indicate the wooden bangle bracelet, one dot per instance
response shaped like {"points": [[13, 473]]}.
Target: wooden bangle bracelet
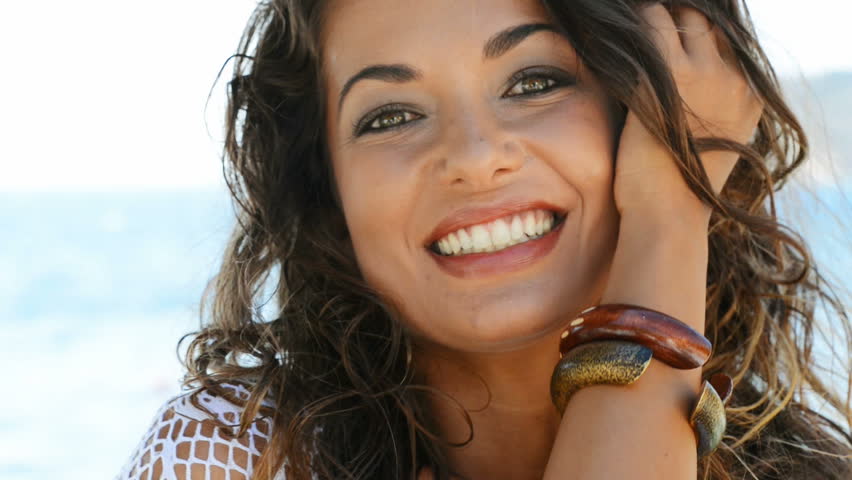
{"points": [[672, 341], [615, 362]]}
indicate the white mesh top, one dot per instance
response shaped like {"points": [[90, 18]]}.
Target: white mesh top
{"points": [[184, 442]]}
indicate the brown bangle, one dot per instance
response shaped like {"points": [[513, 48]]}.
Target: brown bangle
{"points": [[672, 341]]}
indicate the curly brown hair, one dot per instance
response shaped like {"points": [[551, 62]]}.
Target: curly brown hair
{"points": [[334, 361]]}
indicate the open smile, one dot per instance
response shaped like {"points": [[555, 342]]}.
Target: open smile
{"points": [[500, 234], [511, 241]]}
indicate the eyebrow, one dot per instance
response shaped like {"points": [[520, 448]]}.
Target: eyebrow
{"points": [[497, 45]]}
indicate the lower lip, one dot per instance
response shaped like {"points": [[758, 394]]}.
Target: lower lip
{"points": [[507, 260]]}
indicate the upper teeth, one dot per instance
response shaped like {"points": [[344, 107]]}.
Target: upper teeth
{"points": [[497, 235]]}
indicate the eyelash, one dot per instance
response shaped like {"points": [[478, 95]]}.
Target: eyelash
{"points": [[553, 80]]}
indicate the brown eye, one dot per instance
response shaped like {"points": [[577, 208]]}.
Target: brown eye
{"points": [[387, 117], [531, 85], [391, 119]]}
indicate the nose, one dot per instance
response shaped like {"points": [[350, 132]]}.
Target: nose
{"points": [[480, 154]]}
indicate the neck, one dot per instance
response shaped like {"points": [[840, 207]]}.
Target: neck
{"points": [[507, 396]]}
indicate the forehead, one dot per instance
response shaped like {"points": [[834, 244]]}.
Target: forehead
{"points": [[362, 32]]}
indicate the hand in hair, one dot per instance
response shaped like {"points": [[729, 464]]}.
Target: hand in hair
{"points": [[717, 101]]}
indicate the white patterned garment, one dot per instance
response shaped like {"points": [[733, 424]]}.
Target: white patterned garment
{"points": [[184, 442]]}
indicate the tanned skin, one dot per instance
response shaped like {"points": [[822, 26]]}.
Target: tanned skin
{"points": [[634, 233]]}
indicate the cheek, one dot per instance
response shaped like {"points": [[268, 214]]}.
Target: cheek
{"points": [[378, 197], [578, 143]]}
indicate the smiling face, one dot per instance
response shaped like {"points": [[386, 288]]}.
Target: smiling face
{"points": [[457, 132]]}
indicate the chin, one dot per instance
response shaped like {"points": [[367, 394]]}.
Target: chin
{"points": [[499, 322]]}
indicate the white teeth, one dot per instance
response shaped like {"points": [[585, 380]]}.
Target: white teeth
{"points": [[481, 238], [529, 224], [498, 234], [454, 243], [465, 240], [517, 228]]}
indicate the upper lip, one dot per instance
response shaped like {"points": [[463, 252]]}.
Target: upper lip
{"points": [[468, 216]]}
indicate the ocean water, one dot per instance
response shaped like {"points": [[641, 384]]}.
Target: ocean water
{"points": [[97, 288], [95, 291]]}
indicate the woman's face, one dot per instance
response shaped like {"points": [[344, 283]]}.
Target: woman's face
{"points": [[458, 130]]}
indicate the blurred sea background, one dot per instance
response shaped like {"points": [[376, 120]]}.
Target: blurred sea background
{"points": [[113, 215]]}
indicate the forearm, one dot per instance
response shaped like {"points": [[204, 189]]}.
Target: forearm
{"points": [[661, 264], [640, 431]]}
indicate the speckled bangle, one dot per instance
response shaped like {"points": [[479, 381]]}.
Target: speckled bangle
{"points": [[611, 362], [617, 362], [708, 416]]}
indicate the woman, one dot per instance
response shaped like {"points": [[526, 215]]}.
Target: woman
{"points": [[440, 189]]}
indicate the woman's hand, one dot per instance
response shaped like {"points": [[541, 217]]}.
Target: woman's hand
{"points": [[661, 258], [718, 101]]}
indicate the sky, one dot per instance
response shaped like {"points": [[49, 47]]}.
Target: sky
{"points": [[104, 95]]}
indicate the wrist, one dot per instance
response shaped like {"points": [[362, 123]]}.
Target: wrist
{"points": [[666, 222], [661, 263], [644, 422]]}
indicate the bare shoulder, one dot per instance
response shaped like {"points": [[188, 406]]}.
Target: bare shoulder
{"points": [[193, 436]]}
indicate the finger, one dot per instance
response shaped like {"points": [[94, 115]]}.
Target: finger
{"points": [[724, 48], [696, 34], [663, 30]]}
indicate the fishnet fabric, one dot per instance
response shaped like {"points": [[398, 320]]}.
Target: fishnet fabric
{"points": [[184, 442]]}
